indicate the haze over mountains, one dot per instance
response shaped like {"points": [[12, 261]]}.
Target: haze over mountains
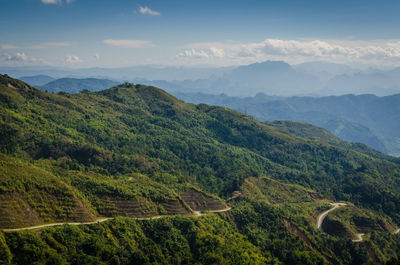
{"points": [[74, 85], [274, 78], [37, 80]]}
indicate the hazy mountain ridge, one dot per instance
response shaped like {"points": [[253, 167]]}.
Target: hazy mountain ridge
{"points": [[37, 80], [74, 85], [269, 77], [277, 78], [148, 72]]}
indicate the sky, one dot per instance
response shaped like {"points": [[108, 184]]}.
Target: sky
{"points": [[121, 33]]}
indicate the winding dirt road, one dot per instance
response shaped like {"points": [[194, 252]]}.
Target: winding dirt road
{"points": [[322, 216], [54, 224], [397, 231], [195, 213], [220, 211], [359, 238]]}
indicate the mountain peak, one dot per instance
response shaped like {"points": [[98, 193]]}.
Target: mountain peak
{"points": [[268, 66]]}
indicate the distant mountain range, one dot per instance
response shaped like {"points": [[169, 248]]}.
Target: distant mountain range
{"points": [[281, 79], [37, 80], [270, 77], [149, 72]]}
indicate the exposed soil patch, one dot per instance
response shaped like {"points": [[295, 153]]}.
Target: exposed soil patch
{"points": [[315, 196], [371, 253], [200, 202], [235, 194], [114, 206], [140, 207], [175, 206]]}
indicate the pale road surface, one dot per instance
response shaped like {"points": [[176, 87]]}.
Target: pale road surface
{"points": [[359, 238], [397, 231], [196, 213], [220, 211], [322, 216], [55, 224]]}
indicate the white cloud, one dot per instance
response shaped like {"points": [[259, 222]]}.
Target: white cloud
{"points": [[56, 2], [128, 43], [211, 52], [296, 51], [97, 56], [73, 59], [18, 57], [147, 11]]}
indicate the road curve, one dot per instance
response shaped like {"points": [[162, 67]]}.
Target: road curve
{"points": [[359, 238], [397, 231], [322, 216], [196, 213]]}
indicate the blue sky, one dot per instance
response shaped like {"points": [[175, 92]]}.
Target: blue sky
{"points": [[87, 33]]}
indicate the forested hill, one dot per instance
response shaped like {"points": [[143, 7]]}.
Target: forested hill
{"points": [[80, 156], [317, 133]]}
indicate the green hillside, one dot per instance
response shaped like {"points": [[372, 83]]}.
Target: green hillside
{"points": [[367, 119], [306, 130], [136, 151]]}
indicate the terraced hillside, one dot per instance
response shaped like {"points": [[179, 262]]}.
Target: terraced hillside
{"points": [[201, 202], [136, 151]]}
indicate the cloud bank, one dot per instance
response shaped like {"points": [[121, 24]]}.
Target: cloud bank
{"points": [[20, 58], [295, 51]]}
